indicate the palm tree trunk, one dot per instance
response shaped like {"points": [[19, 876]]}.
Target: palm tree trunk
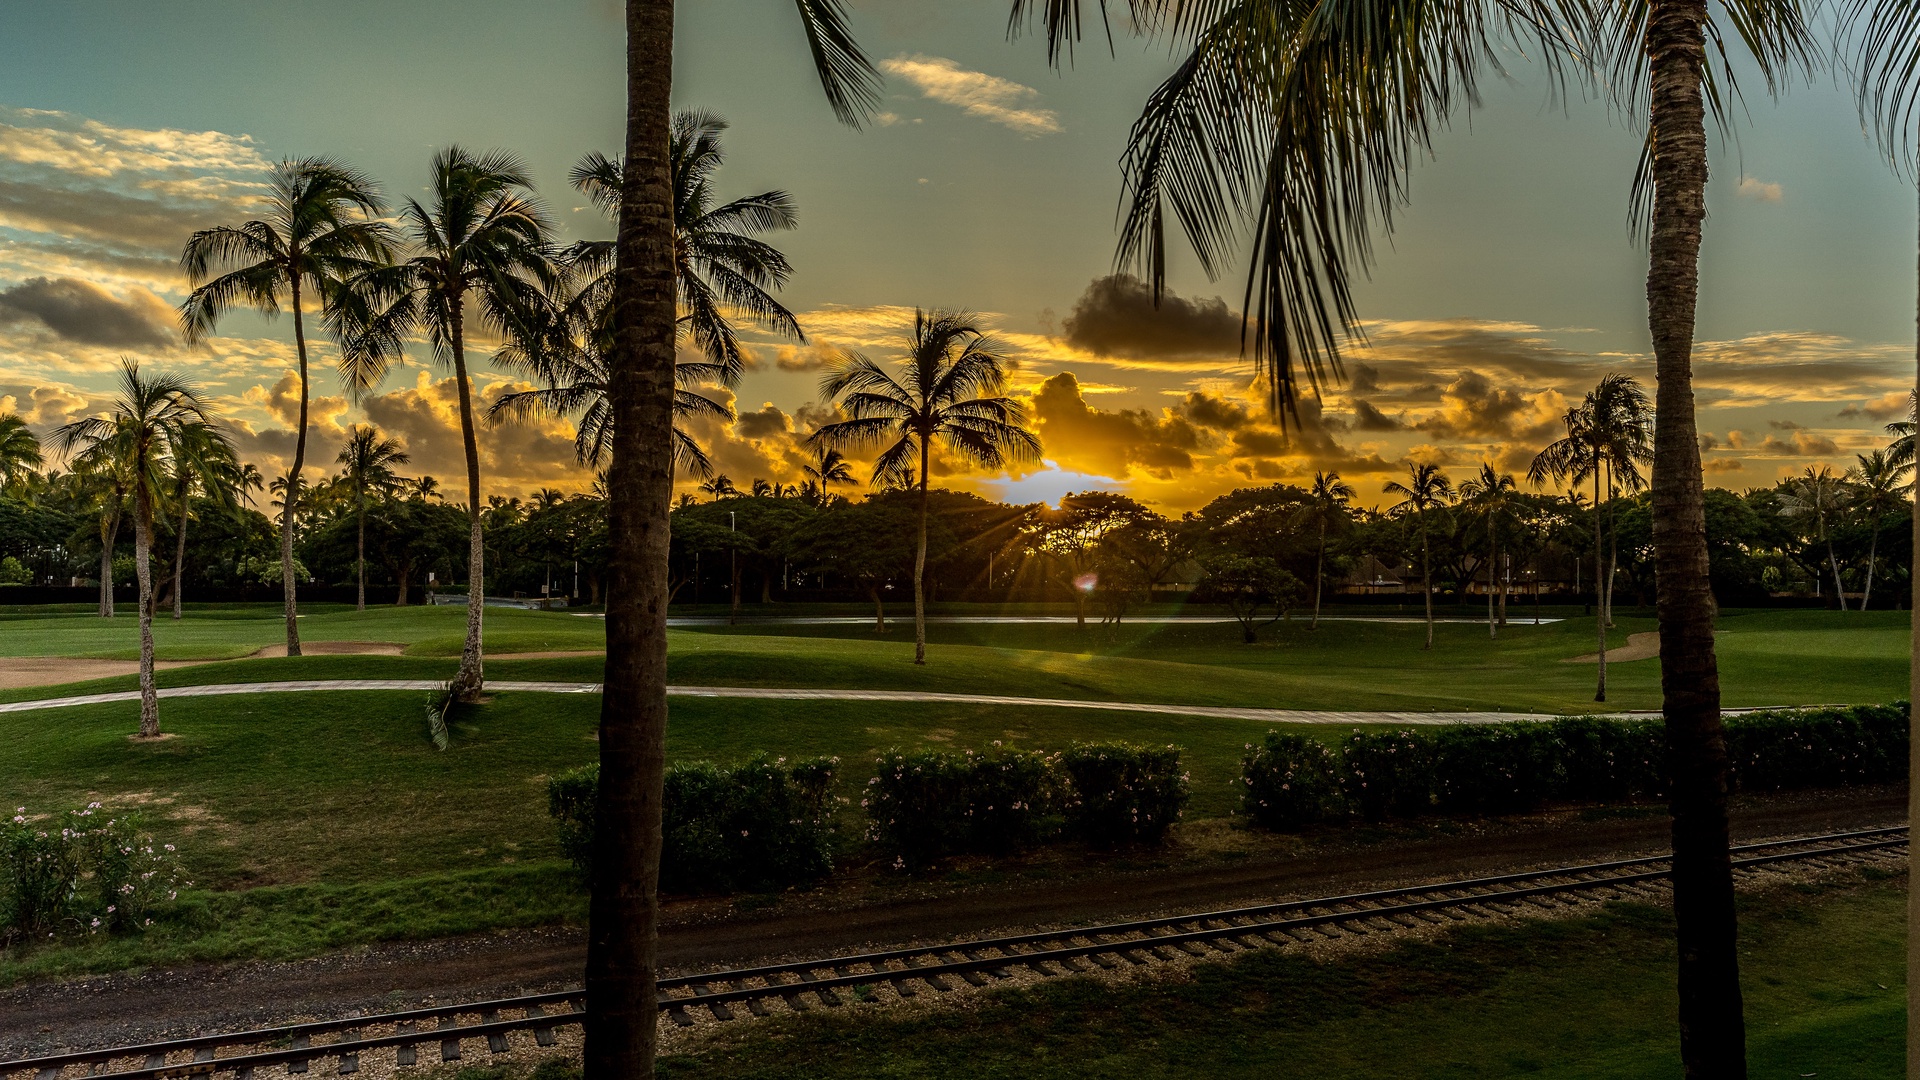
{"points": [[1839, 590], [180, 556], [920, 568], [1319, 573], [468, 681], [143, 571], [1873, 549], [879, 609], [624, 910], [360, 551], [109, 535], [1712, 1027], [288, 586], [1599, 586], [1913, 744], [1493, 574], [1426, 579]]}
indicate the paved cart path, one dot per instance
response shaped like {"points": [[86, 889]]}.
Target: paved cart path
{"points": [[1277, 716]]}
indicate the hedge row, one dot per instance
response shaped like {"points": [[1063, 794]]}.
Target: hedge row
{"points": [[769, 823], [1292, 780]]}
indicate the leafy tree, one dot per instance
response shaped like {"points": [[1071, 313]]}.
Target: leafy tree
{"points": [[869, 543], [1248, 584], [1068, 541], [1820, 497], [323, 225], [147, 420], [479, 245], [951, 391]]}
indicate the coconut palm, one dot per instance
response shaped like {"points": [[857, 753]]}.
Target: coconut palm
{"points": [[951, 390], [102, 484], [1822, 496], [623, 917], [1426, 491], [367, 462], [1879, 488], [1492, 495], [479, 247], [1326, 509], [718, 485], [147, 421], [201, 457], [828, 467], [322, 225], [19, 448]]}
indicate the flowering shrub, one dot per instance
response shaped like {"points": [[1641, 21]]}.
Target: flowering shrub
{"points": [[1388, 773], [1836, 747], [926, 805], [764, 824], [1120, 793], [88, 874], [1496, 768], [1607, 760], [1292, 781]]}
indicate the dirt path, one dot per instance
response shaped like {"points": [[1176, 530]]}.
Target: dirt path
{"points": [[21, 672], [1643, 646], [702, 935]]}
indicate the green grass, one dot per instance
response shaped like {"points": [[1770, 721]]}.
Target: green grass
{"points": [[1823, 970]]}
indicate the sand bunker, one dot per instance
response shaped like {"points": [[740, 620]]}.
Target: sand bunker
{"points": [[19, 672], [1639, 647], [559, 654], [337, 648]]}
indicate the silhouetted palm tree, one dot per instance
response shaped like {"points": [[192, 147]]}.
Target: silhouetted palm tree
{"points": [[1879, 488], [718, 485], [479, 246], [133, 440], [201, 456], [1822, 496], [1326, 508], [828, 467], [1427, 490], [951, 390], [1492, 495], [322, 226], [19, 448], [367, 461]]}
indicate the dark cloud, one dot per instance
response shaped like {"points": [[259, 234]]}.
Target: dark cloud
{"points": [[762, 423], [1368, 417], [1473, 407], [1785, 425], [83, 312], [1117, 317], [1215, 413], [1365, 379]]}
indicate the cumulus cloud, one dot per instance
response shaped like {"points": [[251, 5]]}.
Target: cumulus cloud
{"points": [[1892, 405], [1112, 444], [1760, 190], [976, 93], [1116, 317], [534, 453], [1368, 417], [83, 312], [1473, 407]]}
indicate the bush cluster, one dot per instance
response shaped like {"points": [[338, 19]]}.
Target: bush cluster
{"points": [[1121, 793], [85, 875], [925, 805], [1292, 781], [761, 825]]}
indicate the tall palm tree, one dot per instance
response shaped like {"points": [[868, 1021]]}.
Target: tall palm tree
{"points": [[201, 457], [103, 483], [1327, 508], [479, 246], [1822, 496], [1303, 122], [1427, 490], [367, 461], [721, 268], [828, 467], [322, 225], [951, 390], [148, 419], [623, 916], [1879, 488], [1492, 494], [19, 448], [718, 485], [1622, 420]]}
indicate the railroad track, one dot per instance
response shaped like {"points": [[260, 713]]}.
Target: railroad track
{"points": [[803, 985]]}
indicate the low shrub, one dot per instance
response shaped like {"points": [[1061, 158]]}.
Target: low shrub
{"points": [[1606, 760], [1496, 768], [1122, 793], [761, 825], [83, 875], [1292, 781], [1388, 773], [925, 805], [1805, 748]]}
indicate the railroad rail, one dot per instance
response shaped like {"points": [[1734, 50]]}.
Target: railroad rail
{"points": [[801, 985]]}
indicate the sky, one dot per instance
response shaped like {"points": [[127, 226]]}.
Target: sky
{"points": [[989, 182]]}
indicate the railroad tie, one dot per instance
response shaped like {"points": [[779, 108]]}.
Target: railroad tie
{"points": [[350, 1061], [974, 978], [998, 972], [449, 1048], [901, 985], [405, 1053], [1102, 959], [755, 1005], [931, 979], [825, 993], [542, 1036], [51, 1072], [298, 1065], [159, 1061], [717, 1008]]}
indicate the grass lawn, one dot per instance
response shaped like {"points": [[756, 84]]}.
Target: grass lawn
{"points": [[1579, 999]]}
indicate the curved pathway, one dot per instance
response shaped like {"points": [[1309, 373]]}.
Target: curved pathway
{"points": [[1275, 716]]}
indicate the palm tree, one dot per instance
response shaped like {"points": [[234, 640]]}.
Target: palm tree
{"points": [[718, 485], [148, 419], [720, 268], [104, 485], [1304, 121], [1427, 490], [623, 916], [1491, 493], [1879, 488], [322, 226], [367, 462], [1622, 420], [1822, 496], [201, 456], [951, 391], [479, 246], [19, 448], [1326, 507], [828, 467]]}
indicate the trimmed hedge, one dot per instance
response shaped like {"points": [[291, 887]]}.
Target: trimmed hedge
{"points": [[1122, 793], [1521, 766], [762, 825], [928, 804]]}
